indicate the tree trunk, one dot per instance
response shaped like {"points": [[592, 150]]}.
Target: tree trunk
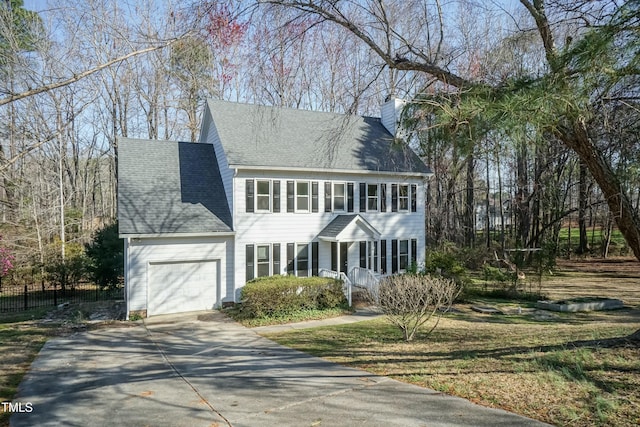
{"points": [[583, 245], [577, 139], [470, 229], [522, 211]]}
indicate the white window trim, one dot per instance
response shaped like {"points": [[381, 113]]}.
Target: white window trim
{"points": [[344, 197], [295, 258], [408, 197], [377, 197], [308, 196], [256, 209], [269, 260]]}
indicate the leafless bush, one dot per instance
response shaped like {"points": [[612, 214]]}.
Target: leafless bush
{"points": [[409, 301]]}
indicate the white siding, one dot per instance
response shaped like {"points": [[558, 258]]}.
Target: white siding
{"points": [[285, 227], [210, 136], [144, 251]]}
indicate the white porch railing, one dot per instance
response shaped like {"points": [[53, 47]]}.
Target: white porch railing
{"points": [[364, 278], [346, 282]]}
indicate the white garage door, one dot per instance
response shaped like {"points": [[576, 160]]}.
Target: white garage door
{"points": [[176, 287]]}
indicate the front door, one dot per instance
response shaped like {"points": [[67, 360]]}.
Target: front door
{"points": [[344, 257]]}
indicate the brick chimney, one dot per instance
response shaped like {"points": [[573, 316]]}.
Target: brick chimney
{"points": [[390, 114]]}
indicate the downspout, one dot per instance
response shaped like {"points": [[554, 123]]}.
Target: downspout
{"points": [[127, 243]]}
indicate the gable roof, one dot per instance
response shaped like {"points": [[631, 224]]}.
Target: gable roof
{"points": [[336, 229], [281, 138], [167, 187]]}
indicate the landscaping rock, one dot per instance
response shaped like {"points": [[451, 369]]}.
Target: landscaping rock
{"points": [[486, 309], [586, 304]]}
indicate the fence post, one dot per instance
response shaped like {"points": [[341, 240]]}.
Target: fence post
{"points": [[55, 294], [26, 304]]}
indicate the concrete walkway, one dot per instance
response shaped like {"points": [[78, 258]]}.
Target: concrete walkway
{"points": [[202, 369], [358, 316]]}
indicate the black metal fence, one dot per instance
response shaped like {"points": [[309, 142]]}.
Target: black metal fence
{"points": [[26, 297]]}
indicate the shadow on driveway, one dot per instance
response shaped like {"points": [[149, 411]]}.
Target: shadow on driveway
{"points": [[181, 371]]}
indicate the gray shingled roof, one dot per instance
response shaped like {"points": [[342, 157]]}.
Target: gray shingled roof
{"points": [[254, 135], [170, 187], [339, 223]]}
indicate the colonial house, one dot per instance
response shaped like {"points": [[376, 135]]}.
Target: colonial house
{"points": [[266, 191]]}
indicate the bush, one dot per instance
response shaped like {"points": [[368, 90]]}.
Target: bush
{"points": [[68, 272], [494, 274], [280, 295], [410, 300], [445, 264], [106, 257]]}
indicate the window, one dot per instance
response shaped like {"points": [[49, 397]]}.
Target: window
{"points": [[338, 197], [263, 196], [403, 197], [403, 255], [302, 196], [302, 262], [372, 197], [263, 261]]}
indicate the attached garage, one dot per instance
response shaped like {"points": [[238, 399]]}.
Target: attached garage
{"points": [[176, 287]]}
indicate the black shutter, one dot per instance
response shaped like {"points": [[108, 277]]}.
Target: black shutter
{"points": [[314, 196], [327, 197], [290, 258], [383, 197], [350, 197], [414, 198], [383, 256], [314, 258], [394, 197], [250, 195], [414, 252], [276, 196], [363, 197], [276, 259], [290, 196], [250, 263], [394, 256], [363, 254]]}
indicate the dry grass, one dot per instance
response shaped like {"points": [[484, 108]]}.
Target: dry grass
{"points": [[23, 334], [568, 372], [565, 369], [20, 342]]}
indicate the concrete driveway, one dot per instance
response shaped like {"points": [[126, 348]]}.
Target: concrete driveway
{"points": [[204, 370]]}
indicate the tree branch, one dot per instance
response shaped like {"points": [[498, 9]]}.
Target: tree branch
{"points": [[82, 75]]}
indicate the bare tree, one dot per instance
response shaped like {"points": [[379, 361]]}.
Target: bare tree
{"points": [[404, 51], [409, 301]]}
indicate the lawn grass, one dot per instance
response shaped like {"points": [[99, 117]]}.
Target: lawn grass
{"points": [[21, 338], [565, 372]]}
